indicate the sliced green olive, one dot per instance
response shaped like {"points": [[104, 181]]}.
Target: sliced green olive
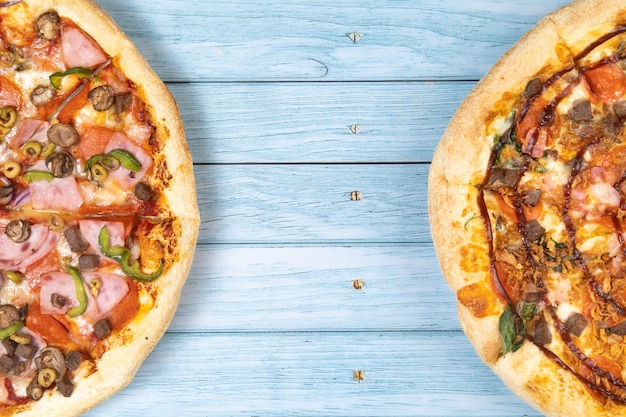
{"points": [[14, 276], [6, 58], [110, 163], [94, 286], [8, 117], [123, 157], [56, 222], [32, 148], [11, 169], [126, 158], [48, 149], [46, 377], [21, 338], [97, 173]]}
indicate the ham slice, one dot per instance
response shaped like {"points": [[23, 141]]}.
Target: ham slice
{"points": [[48, 244], [26, 253], [90, 230], [30, 129], [79, 49], [125, 178], [58, 194], [61, 284], [114, 288]]}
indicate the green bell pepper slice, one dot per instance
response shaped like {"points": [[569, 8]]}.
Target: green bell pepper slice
{"points": [[8, 331], [37, 175], [126, 159], [81, 293], [122, 256], [82, 73]]}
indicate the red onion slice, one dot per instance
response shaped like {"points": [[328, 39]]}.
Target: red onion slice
{"points": [[22, 198]]}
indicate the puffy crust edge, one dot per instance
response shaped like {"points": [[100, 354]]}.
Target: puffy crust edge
{"points": [[146, 330], [461, 158]]}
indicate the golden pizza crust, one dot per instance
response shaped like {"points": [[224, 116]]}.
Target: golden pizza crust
{"points": [[464, 149], [460, 163], [131, 345]]}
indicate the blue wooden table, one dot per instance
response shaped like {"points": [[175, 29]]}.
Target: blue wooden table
{"points": [[315, 290]]}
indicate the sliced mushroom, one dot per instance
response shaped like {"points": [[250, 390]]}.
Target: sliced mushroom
{"points": [[34, 390], [102, 97], [52, 358], [63, 135], [6, 192], [61, 164], [42, 94], [9, 314], [144, 192], [18, 230], [48, 25]]}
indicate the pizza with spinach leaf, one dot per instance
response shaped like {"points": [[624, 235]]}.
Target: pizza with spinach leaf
{"points": [[527, 201]]}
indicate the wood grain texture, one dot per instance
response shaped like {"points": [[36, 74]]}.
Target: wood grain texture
{"points": [[290, 109], [311, 288], [343, 122], [252, 374], [277, 41], [274, 204]]}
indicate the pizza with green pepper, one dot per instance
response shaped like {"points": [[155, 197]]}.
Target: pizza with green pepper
{"points": [[527, 201], [98, 212]]}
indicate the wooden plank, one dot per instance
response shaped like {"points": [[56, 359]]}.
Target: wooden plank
{"points": [[308, 204], [273, 40], [343, 122], [310, 288], [302, 374]]}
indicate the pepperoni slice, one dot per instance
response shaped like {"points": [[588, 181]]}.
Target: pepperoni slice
{"points": [[607, 81], [10, 95], [93, 141]]}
